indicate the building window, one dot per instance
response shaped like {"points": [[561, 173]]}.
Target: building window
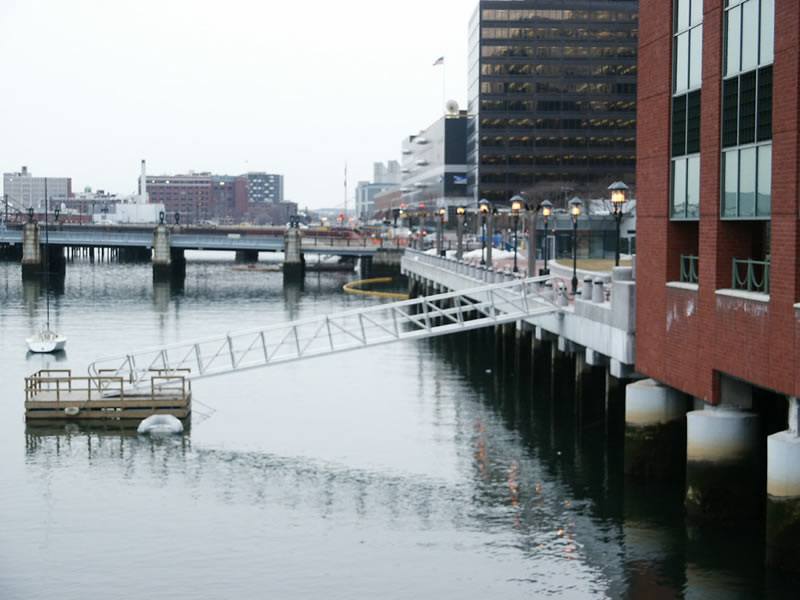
{"points": [[687, 45], [747, 182], [747, 109], [749, 34], [687, 74], [686, 188]]}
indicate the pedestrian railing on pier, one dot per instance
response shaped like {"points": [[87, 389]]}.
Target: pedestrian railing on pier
{"points": [[428, 316]]}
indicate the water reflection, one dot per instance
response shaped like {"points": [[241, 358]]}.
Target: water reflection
{"points": [[46, 358]]}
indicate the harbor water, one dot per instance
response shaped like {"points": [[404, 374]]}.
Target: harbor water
{"points": [[420, 469]]}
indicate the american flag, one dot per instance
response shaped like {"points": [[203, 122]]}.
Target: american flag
{"points": [[439, 61]]}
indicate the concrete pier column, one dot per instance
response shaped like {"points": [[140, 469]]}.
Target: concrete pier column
{"points": [[56, 262], [723, 474], [783, 494], [31, 250], [655, 430], [162, 257], [365, 267], [294, 261]]}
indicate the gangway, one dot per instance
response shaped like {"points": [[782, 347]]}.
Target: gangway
{"points": [[422, 317]]}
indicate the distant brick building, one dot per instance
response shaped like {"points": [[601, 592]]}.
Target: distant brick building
{"points": [[222, 198]]}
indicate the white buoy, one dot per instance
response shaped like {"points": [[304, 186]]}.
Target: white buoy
{"points": [[160, 424]]}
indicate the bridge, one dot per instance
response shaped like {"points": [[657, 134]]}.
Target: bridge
{"points": [[439, 314], [165, 245], [188, 238]]}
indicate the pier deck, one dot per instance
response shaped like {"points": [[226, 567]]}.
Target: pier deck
{"points": [[55, 394]]}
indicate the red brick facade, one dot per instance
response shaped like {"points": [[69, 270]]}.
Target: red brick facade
{"points": [[685, 338]]}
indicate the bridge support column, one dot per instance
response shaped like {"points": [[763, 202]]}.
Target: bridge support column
{"points": [[365, 267], [655, 431], [162, 255], [783, 494], [294, 265], [248, 256], [31, 251], [723, 472], [56, 261]]}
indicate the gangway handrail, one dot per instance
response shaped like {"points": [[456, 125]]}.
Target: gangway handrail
{"points": [[426, 316]]}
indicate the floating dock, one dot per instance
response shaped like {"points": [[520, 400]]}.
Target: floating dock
{"points": [[55, 395]]}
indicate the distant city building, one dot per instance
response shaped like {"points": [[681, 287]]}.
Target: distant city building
{"points": [[229, 197], [365, 197], [199, 197], [265, 187], [434, 164], [552, 87], [387, 173], [384, 177], [388, 202], [26, 191], [190, 195]]}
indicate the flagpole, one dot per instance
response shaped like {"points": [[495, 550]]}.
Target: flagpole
{"points": [[345, 193], [444, 93]]}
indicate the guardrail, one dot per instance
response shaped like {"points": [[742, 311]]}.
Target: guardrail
{"points": [[689, 268], [756, 275]]}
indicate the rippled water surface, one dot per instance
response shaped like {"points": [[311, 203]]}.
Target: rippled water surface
{"points": [[428, 469]]}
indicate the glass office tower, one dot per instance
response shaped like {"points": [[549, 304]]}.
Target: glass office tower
{"points": [[552, 86]]}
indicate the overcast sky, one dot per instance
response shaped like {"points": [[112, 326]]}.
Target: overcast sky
{"points": [[91, 87]]}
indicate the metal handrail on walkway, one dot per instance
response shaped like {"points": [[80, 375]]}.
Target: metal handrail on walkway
{"points": [[428, 316]]}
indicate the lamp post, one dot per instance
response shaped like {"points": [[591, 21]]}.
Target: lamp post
{"points": [[618, 198], [516, 206], [442, 213], [547, 210], [575, 211], [484, 204], [460, 232]]}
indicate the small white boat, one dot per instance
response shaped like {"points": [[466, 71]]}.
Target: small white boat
{"points": [[160, 424], [46, 340]]}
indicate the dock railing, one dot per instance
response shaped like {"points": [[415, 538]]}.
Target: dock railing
{"points": [[59, 385]]}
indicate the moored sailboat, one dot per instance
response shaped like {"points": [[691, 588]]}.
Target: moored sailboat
{"points": [[46, 340]]}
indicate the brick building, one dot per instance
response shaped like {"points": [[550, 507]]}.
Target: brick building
{"points": [[718, 263], [201, 196]]}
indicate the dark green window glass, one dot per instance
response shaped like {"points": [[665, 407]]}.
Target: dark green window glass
{"points": [[765, 104], [730, 112], [693, 123], [747, 108], [679, 126]]}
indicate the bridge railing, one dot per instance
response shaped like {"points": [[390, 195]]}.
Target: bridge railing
{"points": [[610, 299]]}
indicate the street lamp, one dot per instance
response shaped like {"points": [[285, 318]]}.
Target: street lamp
{"points": [[442, 213], [484, 204], [460, 232], [575, 211], [618, 198], [547, 210], [516, 206]]}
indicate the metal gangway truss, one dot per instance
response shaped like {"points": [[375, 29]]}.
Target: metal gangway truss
{"points": [[421, 317]]}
